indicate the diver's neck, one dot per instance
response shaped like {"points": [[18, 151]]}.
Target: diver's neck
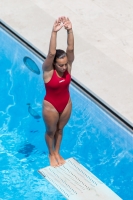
{"points": [[59, 74]]}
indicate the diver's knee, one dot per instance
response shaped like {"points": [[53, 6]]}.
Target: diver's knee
{"points": [[50, 133], [60, 131]]}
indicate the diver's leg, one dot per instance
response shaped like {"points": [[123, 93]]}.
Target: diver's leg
{"points": [[63, 119], [51, 118]]}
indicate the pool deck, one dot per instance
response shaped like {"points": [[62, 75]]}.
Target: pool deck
{"points": [[103, 33]]}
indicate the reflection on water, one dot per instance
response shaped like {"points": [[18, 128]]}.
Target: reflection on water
{"points": [[33, 112], [27, 149]]}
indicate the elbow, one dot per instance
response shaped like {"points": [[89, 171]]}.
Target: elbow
{"points": [[52, 53], [43, 66], [70, 49]]}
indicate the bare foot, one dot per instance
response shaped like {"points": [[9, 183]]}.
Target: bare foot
{"points": [[53, 161], [59, 159]]}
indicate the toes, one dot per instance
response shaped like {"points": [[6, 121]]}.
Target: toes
{"points": [[53, 161], [56, 160], [60, 160]]}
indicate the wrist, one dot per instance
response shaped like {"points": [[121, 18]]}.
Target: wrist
{"points": [[69, 31], [54, 31]]}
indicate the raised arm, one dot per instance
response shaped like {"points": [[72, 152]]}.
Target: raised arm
{"points": [[48, 64], [70, 40]]}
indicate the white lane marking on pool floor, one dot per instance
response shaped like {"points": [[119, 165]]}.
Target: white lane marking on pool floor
{"points": [[76, 182]]}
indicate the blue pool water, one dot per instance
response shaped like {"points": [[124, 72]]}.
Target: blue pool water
{"points": [[91, 136]]}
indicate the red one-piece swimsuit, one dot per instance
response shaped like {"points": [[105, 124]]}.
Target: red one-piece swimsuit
{"points": [[57, 90]]}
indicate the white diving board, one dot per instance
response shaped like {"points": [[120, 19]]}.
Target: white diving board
{"points": [[76, 182]]}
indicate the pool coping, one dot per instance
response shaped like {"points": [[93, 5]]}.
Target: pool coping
{"points": [[121, 119]]}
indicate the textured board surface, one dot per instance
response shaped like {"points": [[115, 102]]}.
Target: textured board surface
{"points": [[75, 182]]}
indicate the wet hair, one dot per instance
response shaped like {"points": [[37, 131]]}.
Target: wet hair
{"points": [[59, 54]]}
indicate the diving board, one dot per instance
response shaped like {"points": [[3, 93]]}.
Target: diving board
{"points": [[76, 182]]}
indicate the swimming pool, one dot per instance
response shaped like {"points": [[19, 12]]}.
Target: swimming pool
{"points": [[92, 136]]}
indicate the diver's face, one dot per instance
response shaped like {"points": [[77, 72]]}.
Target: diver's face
{"points": [[61, 64]]}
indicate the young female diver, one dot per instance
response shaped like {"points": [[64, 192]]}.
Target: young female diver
{"points": [[57, 103]]}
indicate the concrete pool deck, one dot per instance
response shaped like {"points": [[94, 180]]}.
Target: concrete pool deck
{"points": [[103, 33]]}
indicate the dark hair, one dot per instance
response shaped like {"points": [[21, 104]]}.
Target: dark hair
{"points": [[59, 54]]}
